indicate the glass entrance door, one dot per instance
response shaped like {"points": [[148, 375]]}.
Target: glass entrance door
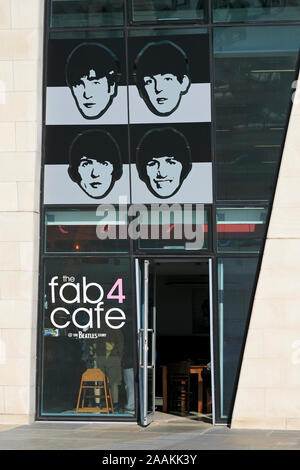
{"points": [[146, 323], [167, 288]]}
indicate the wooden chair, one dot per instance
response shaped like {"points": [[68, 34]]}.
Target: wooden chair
{"points": [[179, 387], [94, 379]]}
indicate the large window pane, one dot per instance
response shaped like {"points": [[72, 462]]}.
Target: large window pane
{"points": [[254, 70], [86, 231], [87, 326], [186, 229], [254, 10], [166, 10], [86, 13], [87, 34], [240, 229], [235, 283]]}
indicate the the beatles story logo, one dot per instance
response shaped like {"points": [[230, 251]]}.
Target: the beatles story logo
{"points": [[89, 299]]}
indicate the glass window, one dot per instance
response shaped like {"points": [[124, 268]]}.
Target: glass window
{"points": [[86, 231], [254, 70], [167, 10], [240, 229], [86, 13], [186, 228], [87, 326], [254, 10], [235, 284], [87, 34]]}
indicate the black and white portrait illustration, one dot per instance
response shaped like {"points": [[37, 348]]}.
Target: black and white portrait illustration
{"points": [[87, 81], [86, 164], [95, 162], [92, 74], [142, 135], [163, 161], [162, 76], [171, 164]]}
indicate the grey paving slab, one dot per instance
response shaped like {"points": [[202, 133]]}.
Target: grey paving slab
{"points": [[196, 447], [284, 434], [174, 435], [225, 430], [57, 425], [178, 437], [141, 446], [33, 444], [173, 429]]}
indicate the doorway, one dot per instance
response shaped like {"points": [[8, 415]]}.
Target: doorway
{"points": [[175, 339]]}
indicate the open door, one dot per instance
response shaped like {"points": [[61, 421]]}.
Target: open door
{"points": [[212, 361], [146, 323]]}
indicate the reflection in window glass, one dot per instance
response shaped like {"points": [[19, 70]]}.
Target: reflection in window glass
{"points": [[235, 283], [185, 229], [254, 10], [86, 231], [87, 326], [86, 13], [166, 10], [240, 229], [87, 34], [254, 69]]}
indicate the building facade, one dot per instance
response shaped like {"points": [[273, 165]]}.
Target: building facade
{"points": [[109, 110]]}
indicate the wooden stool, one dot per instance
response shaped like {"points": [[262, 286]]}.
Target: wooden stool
{"points": [[94, 379]]}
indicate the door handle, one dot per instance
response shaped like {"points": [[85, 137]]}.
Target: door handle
{"points": [[141, 346]]}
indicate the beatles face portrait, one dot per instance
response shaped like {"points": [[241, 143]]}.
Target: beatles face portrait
{"points": [[163, 161], [162, 76], [95, 162], [163, 157], [161, 72], [92, 74]]}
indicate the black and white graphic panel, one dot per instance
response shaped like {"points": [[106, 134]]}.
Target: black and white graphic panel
{"points": [[171, 163], [169, 79], [86, 82], [86, 165], [170, 116]]}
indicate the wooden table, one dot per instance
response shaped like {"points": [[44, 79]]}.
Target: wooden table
{"points": [[194, 369], [198, 370]]}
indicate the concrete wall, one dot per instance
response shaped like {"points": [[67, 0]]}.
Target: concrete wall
{"points": [[21, 42], [268, 394]]}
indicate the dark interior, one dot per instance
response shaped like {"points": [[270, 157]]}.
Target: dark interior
{"points": [[182, 319]]}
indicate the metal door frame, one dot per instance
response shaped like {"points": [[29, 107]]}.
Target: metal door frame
{"points": [[143, 336], [146, 418]]}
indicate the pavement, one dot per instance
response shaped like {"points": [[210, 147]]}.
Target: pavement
{"points": [[168, 433]]}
